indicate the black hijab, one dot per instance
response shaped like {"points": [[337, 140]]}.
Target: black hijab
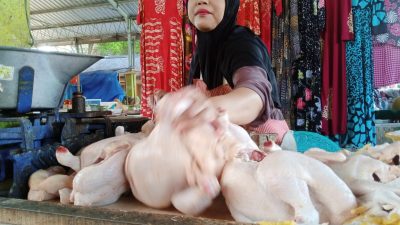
{"points": [[220, 52]]}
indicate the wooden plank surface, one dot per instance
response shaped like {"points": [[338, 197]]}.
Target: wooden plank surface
{"points": [[125, 211]]}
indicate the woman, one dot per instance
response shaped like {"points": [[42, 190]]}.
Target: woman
{"points": [[232, 54]]}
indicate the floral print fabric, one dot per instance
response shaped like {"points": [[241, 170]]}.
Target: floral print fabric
{"points": [[307, 68], [392, 36]]}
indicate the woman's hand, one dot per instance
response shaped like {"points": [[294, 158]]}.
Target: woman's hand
{"points": [[200, 111], [242, 106]]}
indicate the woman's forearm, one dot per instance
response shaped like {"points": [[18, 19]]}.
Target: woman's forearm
{"points": [[243, 105]]}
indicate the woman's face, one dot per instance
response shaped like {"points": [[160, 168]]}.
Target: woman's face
{"points": [[205, 15]]}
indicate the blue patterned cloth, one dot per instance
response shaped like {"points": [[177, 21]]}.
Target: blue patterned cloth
{"points": [[369, 17], [378, 17]]}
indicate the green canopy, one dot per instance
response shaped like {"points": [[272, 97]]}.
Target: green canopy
{"points": [[14, 23]]}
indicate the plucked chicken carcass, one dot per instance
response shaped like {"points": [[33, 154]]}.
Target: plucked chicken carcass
{"points": [[102, 183], [361, 173], [185, 166], [100, 177], [375, 183], [175, 174], [292, 187], [45, 184], [97, 151], [388, 153]]}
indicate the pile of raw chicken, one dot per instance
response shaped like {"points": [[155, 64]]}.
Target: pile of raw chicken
{"points": [[162, 166]]}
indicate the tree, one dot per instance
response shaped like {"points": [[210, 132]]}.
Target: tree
{"points": [[115, 48]]}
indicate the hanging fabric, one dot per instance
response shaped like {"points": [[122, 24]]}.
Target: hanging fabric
{"points": [[387, 48], [161, 48], [339, 28], [386, 65], [368, 18], [257, 15], [249, 15], [392, 36], [307, 68], [189, 32], [282, 57], [294, 30], [265, 19]]}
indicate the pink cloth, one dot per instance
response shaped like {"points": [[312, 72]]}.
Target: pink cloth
{"points": [[386, 65], [272, 126]]}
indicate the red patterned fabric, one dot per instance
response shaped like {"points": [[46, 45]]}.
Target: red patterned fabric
{"points": [[161, 48], [266, 19], [249, 15], [386, 65], [257, 15]]}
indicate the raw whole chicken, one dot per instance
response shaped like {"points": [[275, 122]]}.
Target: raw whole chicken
{"points": [[177, 174], [45, 184], [291, 186], [185, 166], [388, 153], [102, 183], [380, 202], [361, 173], [375, 183], [96, 152], [100, 177]]}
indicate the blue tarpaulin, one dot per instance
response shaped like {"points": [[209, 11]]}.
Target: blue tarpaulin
{"points": [[100, 84]]}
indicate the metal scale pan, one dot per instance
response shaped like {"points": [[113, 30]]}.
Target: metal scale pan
{"points": [[51, 72]]}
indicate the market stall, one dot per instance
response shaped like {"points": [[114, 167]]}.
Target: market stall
{"points": [[286, 119]]}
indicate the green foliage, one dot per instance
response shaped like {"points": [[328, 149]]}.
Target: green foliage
{"points": [[137, 47], [115, 48], [14, 25]]}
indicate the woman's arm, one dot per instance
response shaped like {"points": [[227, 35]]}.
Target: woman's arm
{"points": [[242, 105], [249, 102], [251, 98]]}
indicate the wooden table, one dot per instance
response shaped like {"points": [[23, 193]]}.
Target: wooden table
{"points": [[125, 211]]}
